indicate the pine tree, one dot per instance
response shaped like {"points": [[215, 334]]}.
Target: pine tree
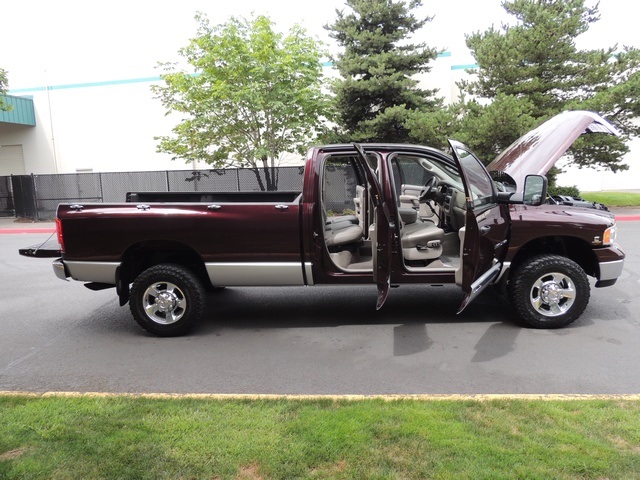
{"points": [[533, 70], [4, 83], [378, 89]]}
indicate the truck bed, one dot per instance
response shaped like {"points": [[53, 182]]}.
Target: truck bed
{"points": [[212, 197]]}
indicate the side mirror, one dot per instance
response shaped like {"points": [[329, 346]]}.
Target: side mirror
{"points": [[535, 190]]}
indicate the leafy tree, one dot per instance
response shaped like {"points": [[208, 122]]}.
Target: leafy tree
{"points": [[255, 95], [4, 85], [533, 70], [378, 91]]}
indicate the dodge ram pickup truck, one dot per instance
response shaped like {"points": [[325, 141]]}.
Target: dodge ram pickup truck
{"points": [[385, 213]]}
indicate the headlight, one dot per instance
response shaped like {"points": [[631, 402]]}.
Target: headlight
{"points": [[610, 235]]}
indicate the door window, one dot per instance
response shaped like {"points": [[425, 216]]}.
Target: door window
{"points": [[339, 186], [480, 183]]}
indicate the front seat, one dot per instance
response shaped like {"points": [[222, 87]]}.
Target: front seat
{"points": [[421, 241]]}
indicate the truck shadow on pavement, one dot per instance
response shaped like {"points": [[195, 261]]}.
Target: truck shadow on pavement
{"points": [[246, 308], [411, 309]]}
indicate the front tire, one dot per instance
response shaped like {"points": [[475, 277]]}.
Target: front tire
{"points": [[167, 300], [549, 291]]}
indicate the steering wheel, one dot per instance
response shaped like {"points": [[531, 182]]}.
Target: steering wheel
{"points": [[426, 190]]}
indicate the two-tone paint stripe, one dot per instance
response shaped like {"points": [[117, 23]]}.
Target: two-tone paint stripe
{"points": [[13, 230]]}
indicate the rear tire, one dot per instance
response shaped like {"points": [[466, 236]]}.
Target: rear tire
{"points": [[167, 300], [548, 291]]}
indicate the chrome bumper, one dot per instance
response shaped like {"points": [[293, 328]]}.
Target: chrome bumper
{"points": [[610, 270], [99, 272], [60, 270]]}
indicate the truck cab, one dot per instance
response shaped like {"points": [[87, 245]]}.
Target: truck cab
{"points": [[397, 214]]}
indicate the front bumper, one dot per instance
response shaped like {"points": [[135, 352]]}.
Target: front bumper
{"points": [[611, 264]]}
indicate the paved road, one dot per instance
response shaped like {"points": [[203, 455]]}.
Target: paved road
{"points": [[59, 336]]}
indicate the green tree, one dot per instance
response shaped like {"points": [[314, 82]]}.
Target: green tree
{"points": [[378, 91], [254, 94], [533, 70], [4, 85]]}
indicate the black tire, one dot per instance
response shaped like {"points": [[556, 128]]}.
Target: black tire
{"points": [[548, 291], [167, 300]]}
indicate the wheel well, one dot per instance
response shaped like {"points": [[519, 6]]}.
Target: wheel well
{"points": [[573, 248], [144, 255]]}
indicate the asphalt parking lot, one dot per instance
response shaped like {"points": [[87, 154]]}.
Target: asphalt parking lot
{"points": [[59, 336]]}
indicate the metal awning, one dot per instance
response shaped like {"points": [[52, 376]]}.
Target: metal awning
{"points": [[21, 112]]}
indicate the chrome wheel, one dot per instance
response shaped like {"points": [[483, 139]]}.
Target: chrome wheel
{"points": [[164, 303], [552, 294], [548, 291], [167, 300]]}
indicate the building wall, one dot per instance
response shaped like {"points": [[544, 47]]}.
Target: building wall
{"points": [[592, 180], [99, 127], [110, 126]]}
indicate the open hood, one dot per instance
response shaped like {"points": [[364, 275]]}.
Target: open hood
{"points": [[537, 151]]}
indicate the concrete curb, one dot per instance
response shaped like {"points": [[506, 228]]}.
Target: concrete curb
{"points": [[627, 218], [348, 398]]}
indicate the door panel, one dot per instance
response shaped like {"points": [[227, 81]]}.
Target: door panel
{"points": [[486, 226], [382, 233]]}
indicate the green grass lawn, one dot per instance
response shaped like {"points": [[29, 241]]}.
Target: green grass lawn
{"points": [[613, 199], [130, 437]]}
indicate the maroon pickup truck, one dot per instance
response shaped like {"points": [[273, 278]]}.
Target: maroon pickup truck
{"points": [[384, 213]]}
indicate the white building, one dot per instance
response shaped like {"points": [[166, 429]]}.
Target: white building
{"points": [[110, 125], [87, 127]]}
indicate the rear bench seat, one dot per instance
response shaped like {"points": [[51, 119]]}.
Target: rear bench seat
{"points": [[342, 230]]}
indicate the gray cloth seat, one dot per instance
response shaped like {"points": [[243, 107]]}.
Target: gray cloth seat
{"points": [[408, 215], [330, 221], [421, 241], [342, 233]]}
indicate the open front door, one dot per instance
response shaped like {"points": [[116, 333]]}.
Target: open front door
{"points": [[381, 232], [486, 226]]}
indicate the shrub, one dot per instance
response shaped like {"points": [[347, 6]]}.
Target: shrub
{"points": [[570, 191]]}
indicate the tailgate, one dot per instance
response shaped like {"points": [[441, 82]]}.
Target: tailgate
{"points": [[48, 249]]}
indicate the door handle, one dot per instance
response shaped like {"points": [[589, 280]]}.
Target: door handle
{"points": [[282, 207], [485, 229], [214, 207]]}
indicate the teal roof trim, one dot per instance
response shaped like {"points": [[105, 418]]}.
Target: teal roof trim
{"points": [[22, 111], [327, 64], [470, 66], [86, 84]]}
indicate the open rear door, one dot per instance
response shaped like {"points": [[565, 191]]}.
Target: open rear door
{"points": [[486, 226], [382, 232]]}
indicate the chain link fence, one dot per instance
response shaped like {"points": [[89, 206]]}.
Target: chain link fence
{"points": [[339, 188], [37, 196]]}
